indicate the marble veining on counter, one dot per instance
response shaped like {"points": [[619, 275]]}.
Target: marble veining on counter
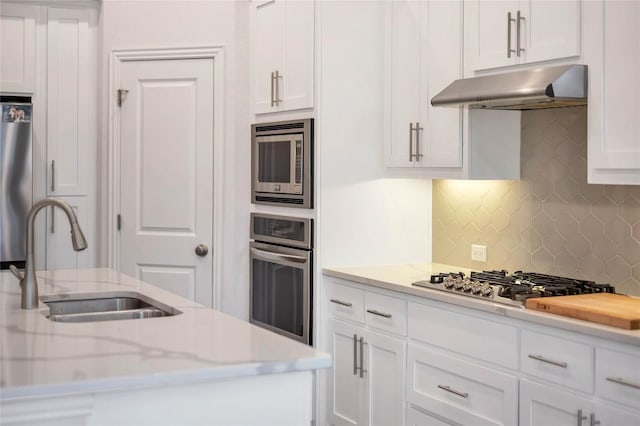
{"points": [[40, 357], [399, 278]]}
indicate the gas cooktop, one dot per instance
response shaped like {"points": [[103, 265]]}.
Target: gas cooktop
{"points": [[511, 289]]}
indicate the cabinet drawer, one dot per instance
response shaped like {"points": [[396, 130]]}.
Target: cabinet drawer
{"points": [[386, 313], [469, 335], [345, 302], [558, 360], [618, 376], [462, 391]]}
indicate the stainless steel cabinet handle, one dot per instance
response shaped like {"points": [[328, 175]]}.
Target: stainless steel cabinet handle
{"points": [[273, 80], [411, 129], [277, 78], [581, 417], [278, 256], [453, 391], [362, 370], [593, 421], [53, 220], [621, 381], [518, 19], [418, 130], [355, 354], [201, 250], [53, 175], [509, 49], [340, 302], [380, 314], [548, 361]]}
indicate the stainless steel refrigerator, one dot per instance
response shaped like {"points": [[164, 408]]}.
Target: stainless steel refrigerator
{"points": [[15, 178]]}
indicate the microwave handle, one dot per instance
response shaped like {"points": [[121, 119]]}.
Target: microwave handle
{"points": [[277, 256]]}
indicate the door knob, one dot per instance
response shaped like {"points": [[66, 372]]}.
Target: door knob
{"points": [[202, 250]]}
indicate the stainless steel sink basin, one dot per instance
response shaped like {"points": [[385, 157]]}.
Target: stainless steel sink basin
{"points": [[90, 307]]}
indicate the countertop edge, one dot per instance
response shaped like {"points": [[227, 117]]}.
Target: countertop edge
{"points": [[542, 318]]}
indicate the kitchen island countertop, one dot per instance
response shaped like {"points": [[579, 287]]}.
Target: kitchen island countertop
{"points": [[40, 357], [399, 278]]}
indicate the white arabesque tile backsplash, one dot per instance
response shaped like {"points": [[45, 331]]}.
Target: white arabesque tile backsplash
{"points": [[550, 221]]}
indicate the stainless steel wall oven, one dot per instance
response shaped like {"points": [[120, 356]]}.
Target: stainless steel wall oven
{"points": [[281, 275], [282, 163]]}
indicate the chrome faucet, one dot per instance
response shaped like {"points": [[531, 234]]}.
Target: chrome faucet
{"points": [[29, 282]]}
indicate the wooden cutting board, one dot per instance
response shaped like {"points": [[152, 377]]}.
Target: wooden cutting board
{"points": [[616, 310]]}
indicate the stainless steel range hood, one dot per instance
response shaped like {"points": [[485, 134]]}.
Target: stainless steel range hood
{"points": [[549, 87]]}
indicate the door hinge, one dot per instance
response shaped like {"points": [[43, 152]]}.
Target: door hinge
{"points": [[121, 93], [119, 222]]}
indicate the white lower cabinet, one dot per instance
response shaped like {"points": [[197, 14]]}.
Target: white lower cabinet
{"points": [[367, 380], [402, 359]]}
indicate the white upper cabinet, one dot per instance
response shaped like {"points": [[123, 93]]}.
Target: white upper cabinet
{"points": [[423, 55], [612, 49], [505, 33], [18, 47], [71, 60], [282, 52]]}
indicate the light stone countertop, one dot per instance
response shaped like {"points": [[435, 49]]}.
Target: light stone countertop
{"points": [[39, 357], [398, 278]]}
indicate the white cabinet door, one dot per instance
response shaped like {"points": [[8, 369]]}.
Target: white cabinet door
{"points": [[613, 51], [609, 415], [282, 48], [542, 405], [551, 29], [70, 101], [403, 81], [18, 47], [346, 388], [423, 55], [385, 358], [60, 254], [488, 32], [545, 30]]}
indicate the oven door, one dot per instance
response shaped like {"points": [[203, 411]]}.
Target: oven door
{"points": [[281, 290], [278, 163]]}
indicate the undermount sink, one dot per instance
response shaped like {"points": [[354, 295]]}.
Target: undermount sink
{"points": [[90, 307]]}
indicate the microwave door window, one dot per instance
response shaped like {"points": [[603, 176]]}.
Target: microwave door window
{"points": [[278, 296], [275, 162]]}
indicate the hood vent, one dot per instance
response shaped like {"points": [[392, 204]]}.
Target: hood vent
{"points": [[551, 87]]}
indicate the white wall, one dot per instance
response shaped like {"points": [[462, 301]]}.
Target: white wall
{"points": [[364, 216], [129, 24]]}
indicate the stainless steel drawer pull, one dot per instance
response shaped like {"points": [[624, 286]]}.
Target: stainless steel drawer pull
{"points": [[418, 130], [548, 361], [340, 302], [621, 381], [593, 421], [378, 313], [453, 391]]}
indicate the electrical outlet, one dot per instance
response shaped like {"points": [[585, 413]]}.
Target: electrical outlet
{"points": [[478, 253]]}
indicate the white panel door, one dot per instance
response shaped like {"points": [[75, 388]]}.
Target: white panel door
{"points": [[346, 388], [385, 376], [614, 87], [69, 101], [551, 29], [609, 415], [487, 31], [403, 89], [542, 405], [18, 47], [166, 174]]}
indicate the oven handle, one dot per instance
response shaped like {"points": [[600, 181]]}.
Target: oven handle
{"points": [[278, 256]]}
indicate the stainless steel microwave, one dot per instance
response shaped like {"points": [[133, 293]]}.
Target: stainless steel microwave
{"points": [[282, 163]]}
